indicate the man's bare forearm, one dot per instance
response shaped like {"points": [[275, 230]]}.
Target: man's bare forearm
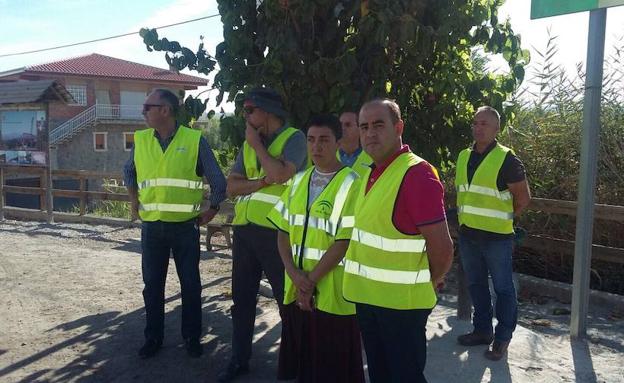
{"points": [[239, 185], [439, 249], [277, 171]]}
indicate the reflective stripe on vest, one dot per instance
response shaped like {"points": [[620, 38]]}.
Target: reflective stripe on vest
{"points": [[384, 267], [169, 188], [312, 253], [502, 195], [480, 205], [259, 196], [171, 207], [465, 209], [171, 182], [331, 225], [388, 244], [387, 276]]}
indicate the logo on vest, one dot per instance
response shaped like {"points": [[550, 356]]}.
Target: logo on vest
{"points": [[324, 208], [180, 149]]}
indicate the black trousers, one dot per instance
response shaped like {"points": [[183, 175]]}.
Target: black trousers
{"points": [[395, 343], [254, 250], [158, 240]]}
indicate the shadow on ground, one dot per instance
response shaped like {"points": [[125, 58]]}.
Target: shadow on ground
{"points": [[106, 344]]}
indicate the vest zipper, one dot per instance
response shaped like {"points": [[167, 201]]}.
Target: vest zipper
{"points": [[305, 225]]}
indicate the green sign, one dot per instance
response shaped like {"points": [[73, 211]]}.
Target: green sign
{"points": [[546, 8]]}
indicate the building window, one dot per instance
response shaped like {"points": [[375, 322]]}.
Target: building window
{"points": [[100, 141], [79, 92], [128, 141]]}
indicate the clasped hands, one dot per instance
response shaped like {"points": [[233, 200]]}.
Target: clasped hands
{"points": [[306, 288]]}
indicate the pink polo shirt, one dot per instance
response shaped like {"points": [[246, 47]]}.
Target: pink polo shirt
{"points": [[420, 201]]}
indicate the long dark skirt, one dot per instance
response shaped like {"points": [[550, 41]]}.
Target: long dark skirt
{"points": [[319, 347]]}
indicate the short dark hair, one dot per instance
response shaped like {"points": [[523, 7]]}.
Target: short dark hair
{"points": [[393, 108], [354, 111], [326, 120], [170, 98], [493, 112]]}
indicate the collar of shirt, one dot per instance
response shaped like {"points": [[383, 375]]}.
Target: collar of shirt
{"points": [[351, 156], [269, 140], [166, 141], [487, 149], [378, 170]]}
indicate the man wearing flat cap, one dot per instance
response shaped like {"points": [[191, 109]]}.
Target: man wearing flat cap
{"points": [[271, 154]]}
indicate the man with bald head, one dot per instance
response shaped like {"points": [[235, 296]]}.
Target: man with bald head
{"points": [[400, 248], [491, 191]]}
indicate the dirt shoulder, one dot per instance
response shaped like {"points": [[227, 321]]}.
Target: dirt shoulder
{"points": [[72, 311]]}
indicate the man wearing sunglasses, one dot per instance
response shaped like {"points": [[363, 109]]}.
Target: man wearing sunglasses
{"points": [[271, 154], [164, 180]]}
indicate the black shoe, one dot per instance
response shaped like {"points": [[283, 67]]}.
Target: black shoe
{"points": [[193, 348], [498, 350], [150, 348], [475, 338], [233, 370]]}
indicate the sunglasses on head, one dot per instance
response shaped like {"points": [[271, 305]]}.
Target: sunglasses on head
{"points": [[147, 107]]}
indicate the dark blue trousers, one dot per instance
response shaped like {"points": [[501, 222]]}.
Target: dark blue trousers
{"points": [[254, 251], [158, 241], [395, 343]]}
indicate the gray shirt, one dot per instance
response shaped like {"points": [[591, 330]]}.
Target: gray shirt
{"points": [[295, 151]]}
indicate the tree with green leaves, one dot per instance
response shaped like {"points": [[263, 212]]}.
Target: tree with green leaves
{"points": [[329, 56]]}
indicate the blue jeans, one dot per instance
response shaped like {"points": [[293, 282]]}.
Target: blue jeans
{"points": [[158, 240], [480, 258], [395, 343]]}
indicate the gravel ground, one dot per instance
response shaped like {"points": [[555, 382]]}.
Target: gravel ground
{"points": [[72, 311]]}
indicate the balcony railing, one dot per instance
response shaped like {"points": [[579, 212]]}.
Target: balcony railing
{"points": [[90, 116], [118, 112]]}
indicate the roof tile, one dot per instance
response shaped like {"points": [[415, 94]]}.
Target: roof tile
{"points": [[106, 66]]}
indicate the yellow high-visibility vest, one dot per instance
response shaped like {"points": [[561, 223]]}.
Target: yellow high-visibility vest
{"points": [[169, 188], [384, 267], [254, 207], [313, 230], [480, 205]]}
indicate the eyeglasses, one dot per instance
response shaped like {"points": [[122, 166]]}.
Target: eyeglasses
{"points": [[249, 109], [147, 107]]}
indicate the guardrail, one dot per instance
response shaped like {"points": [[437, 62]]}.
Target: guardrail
{"points": [[222, 223], [535, 242]]}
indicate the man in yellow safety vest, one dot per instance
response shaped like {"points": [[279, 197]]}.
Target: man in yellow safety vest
{"points": [[491, 190], [399, 251], [271, 154], [164, 180]]}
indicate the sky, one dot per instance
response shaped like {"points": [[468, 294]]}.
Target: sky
{"points": [[35, 24]]}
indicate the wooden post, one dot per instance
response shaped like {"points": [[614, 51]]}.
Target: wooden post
{"points": [[1, 193], [83, 195], [43, 203], [49, 186], [48, 170]]}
